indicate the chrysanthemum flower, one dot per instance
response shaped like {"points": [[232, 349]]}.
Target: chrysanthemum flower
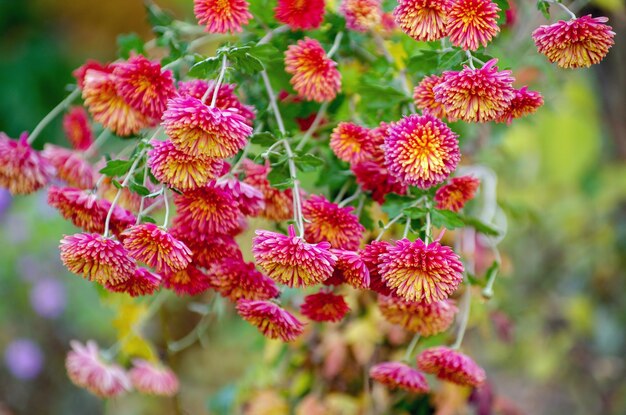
{"points": [[371, 258], [351, 142], [419, 272], [524, 102], [22, 169], [374, 177], [81, 72], [398, 375], [351, 269], [153, 379], [324, 306], [97, 258], [454, 195], [361, 15], [315, 75], [143, 282], [278, 204], [472, 23], [70, 166], [271, 320], [424, 97], [86, 369], [222, 16], [475, 95], [300, 14], [251, 200], [290, 260], [422, 318], [423, 20], [326, 221], [208, 210], [577, 43], [200, 130], [235, 279], [77, 129], [208, 249], [451, 365], [421, 150], [226, 97], [189, 281]]}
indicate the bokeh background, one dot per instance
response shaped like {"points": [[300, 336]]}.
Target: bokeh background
{"points": [[553, 340]]}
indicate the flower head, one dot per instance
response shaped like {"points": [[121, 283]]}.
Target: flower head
{"points": [[143, 282], [278, 203], [324, 306], [524, 102], [235, 279], [577, 43], [350, 268], [361, 15], [326, 221], [423, 20], [222, 16], [351, 142], [77, 129], [422, 318], [189, 281], [454, 195], [70, 166], [374, 177], [208, 249], [300, 14], [156, 247], [251, 200], [226, 97], [399, 375], [419, 272], [451, 365], [271, 320], [153, 379], [209, 210], [472, 23], [290, 260], [371, 258], [22, 169], [315, 75], [424, 97]]}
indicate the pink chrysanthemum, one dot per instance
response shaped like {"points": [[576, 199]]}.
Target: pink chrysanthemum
{"points": [[153, 379], [278, 203], [189, 281], [351, 142], [423, 20], [398, 375], [371, 258], [524, 102], [208, 249], [475, 95], [351, 269], [143, 282], [226, 97], [201, 130], [290, 260], [472, 23], [374, 177], [208, 210], [251, 200], [70, 166], [577, 43], [424, 97], [421, 150], [271, 320], [97, 258], [326, 221], [457, 193], [315, 75], [86, 369], [451, 365], [324, 306], [300, 14], [222, 16], [22, 169], [422, 318], [77, 129], [419, 272], [235, 279], [361, 15]]}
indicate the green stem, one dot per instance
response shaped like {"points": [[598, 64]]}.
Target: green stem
{"points": [[61, 106], [336, 44], [411, 348], [316, 123], [218, 83], [167, 209], [467, 302]]}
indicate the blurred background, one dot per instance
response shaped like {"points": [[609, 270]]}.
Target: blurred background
{"points": [[553, 339]]}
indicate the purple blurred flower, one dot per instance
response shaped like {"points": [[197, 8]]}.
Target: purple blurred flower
{"points": [[23, 358], [48, 297]]}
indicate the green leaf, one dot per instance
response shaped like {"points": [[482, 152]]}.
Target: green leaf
{"points": [[266, 53], [139, 189], [246, 63], [415, 212], [128, 43], [156, 15], [307, 162], [117, 184], [481, 227], [148, 219], [205, 68], [544, 7], [263, 139], [279, 177], [446, 219], [115, 168]]}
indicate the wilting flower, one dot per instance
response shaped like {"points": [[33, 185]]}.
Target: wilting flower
{"points": [[361, 15], [235, 279], [300, 14], [97, 258], [226, 97], [221, 16], [324, 306], [70, 166], [371, 258], [524, 102], [156, 247], [201, 130], [422, 318], [577, 43], [251, 200], [454, 195], [208, 249], [419, 272], [143, 282], [86, 369], [351, 142], [153, 379], [399, 375], [189, 281], [290, 260], [424, 97], [77, 129], [210, 210], [423, 20], [271, 320], [315, 75], [475, 95], [350, 268], [451, 365], [278, 204], [22, 169], [472, 23], [421, 150], [327, 221]]}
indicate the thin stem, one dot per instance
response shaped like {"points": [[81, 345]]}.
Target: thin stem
{"points": [[359, 208], [564, 7], [273, 102], [380, 42], [91, 151], [407, 228], [167, 209], [61, 106], [336, 44], [316, 122], [342, 191], [411, 348], [236, 166], [297, 201], [467, 302], [470, 59], [143, 198], [351, 198], [427, 230], [218, 83], [405, 86], [272, 33], [388, 225]]}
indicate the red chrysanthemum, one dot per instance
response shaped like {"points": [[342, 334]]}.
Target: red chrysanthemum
{"points": [[208, 249], [326, 221], [424, 97], [577, 43], [451, 365], [475, 95], [423, 20], [351, 142], [374, 177], [524, 102], [371, 258], [143, 282], [271, 320], [81, 72], [300, 14], [361, 15], [290, 260], [201, 130], [422, 318], [153, 379], [421, 150], [22, 169], [97, 258], [398, 375], [226, 97], [278, 203], [315, 75], [472, 23], [251, 200], [351, 269], [235, 279], [77, 129], [457, 193], [419, 272], [189, 281], [222, 16], [70, 166], [324, 306]]}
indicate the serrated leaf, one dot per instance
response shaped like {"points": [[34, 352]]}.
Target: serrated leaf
{"points": [[415, 212], [279, 177], [263, 139], [128, 43], [116, 168], [307, 162], [246, 63], [481, 227], [544, 7], [446, 219], [139, 189], [116, 184], [205, 68]]}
